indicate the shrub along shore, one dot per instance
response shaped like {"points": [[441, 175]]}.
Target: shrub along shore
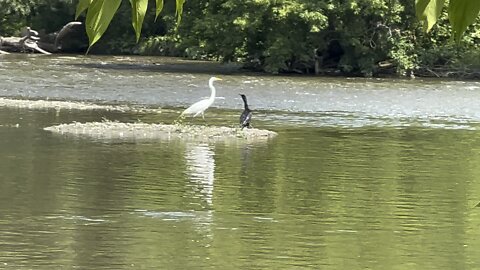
{"points": [[345, 38]]}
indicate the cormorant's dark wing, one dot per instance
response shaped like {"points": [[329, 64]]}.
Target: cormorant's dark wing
{"points": [[245, 118]]}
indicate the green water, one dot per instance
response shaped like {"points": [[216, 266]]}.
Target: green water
{"points": [[311, 198], [364, 174]]}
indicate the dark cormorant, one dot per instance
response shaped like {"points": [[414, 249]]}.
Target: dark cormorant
{"points": [[246, 114]]}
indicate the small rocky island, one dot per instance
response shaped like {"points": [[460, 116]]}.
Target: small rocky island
{"points": [[109, 130]]}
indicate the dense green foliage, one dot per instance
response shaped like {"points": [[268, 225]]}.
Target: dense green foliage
{"points": [[48, 15], [354, 37], [359, 37]]}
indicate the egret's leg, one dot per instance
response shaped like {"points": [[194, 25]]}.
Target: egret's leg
{"points": [[179, 119], [203, 116]]}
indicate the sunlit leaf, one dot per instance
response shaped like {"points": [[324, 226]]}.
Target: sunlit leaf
{"points": [[139, 8], [428, 11], [461, 14], [81, 7], [99, 16], [420, 6], [179, 10], [159, 8]]}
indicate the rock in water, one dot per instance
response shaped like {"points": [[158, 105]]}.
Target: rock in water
{"points": [[109, 130]]}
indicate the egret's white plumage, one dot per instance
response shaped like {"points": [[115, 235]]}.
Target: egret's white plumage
{"points": [[200, 107]]}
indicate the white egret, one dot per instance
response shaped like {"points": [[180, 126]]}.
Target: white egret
{"points": [[200, 107], [246, 114]]}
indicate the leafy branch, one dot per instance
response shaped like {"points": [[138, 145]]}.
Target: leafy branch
{"points": [[101, 12], [461, 14]]}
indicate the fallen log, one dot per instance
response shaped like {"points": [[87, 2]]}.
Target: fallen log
{"points": [[34, 46], [21, 44], [70, 38], [17, 44]]}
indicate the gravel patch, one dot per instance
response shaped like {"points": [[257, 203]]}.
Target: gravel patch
{"points": [[110, 130], [67, 105]]}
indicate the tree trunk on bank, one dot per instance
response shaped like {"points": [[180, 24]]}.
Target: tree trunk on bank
{"points": [[71, 38]]}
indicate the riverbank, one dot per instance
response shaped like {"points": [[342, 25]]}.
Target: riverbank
{"points": [[184, 65]]}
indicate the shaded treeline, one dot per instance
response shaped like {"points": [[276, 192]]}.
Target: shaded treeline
{"points": [[361, 37]]}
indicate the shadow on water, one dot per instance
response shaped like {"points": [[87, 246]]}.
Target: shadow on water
{"points": [[168, 65]]}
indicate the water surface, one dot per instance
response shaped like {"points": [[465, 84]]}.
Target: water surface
{"points": [[365, 173]]}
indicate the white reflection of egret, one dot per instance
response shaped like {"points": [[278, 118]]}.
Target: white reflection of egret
{"points": [[200, 167]]}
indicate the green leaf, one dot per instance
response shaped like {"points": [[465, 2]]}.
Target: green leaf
{"points": [[428, 11], [99, 16], [139, 8], [462, 13], [159, 8], [81, 7], [179, 10]]}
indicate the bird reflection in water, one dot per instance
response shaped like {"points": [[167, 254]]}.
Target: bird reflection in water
{"points": [[200, 167]]}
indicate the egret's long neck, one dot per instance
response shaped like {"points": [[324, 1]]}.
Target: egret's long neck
{"points": [[212, 88]]}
